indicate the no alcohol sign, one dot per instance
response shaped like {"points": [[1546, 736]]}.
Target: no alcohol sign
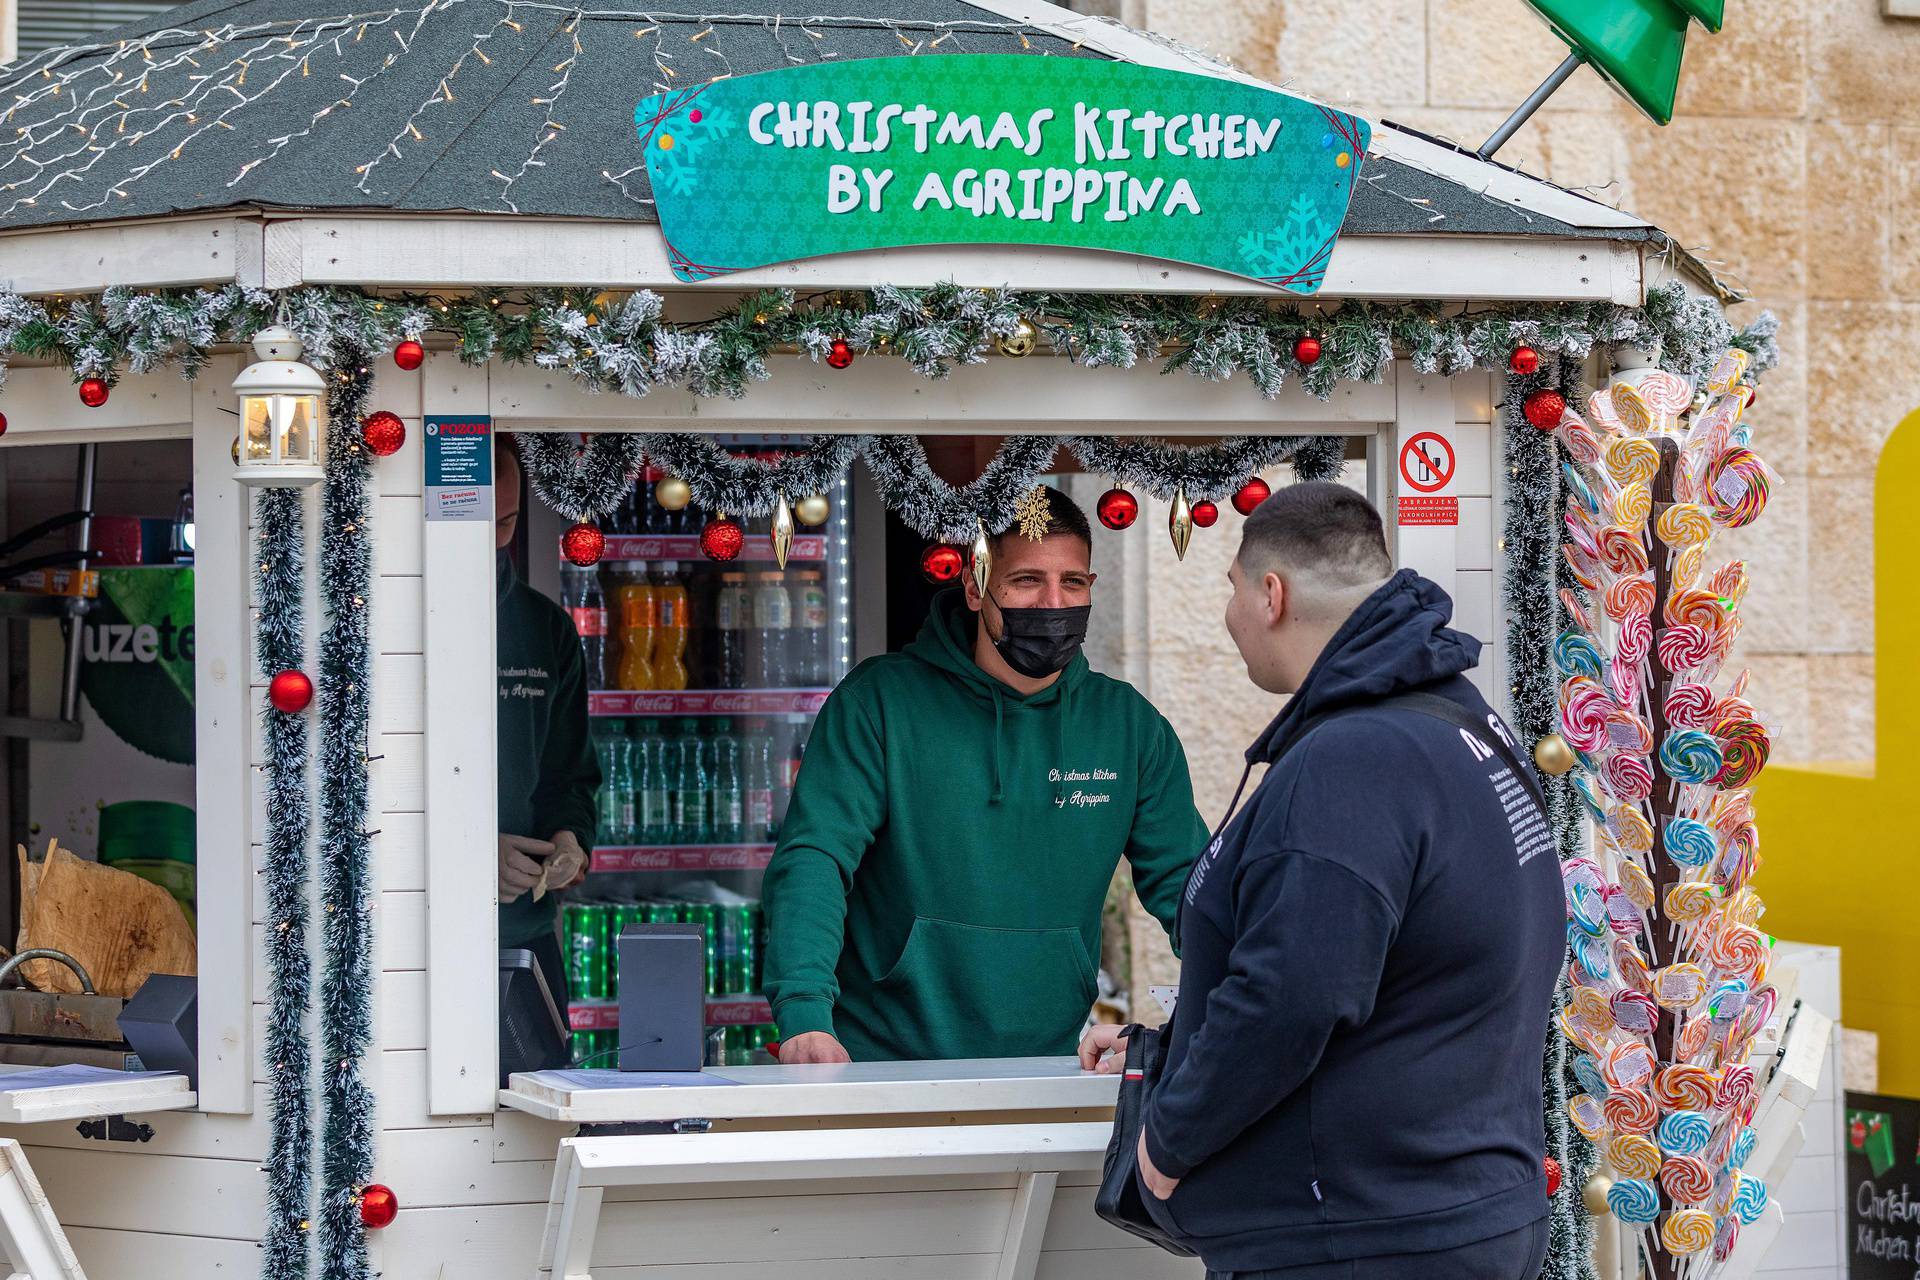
{"points": [[1426, 478]]}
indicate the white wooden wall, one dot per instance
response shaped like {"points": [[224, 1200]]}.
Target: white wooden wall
{"points": [[1813, 1243]]}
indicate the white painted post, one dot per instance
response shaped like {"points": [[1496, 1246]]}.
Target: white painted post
{"points": [[463, 1050], [223, 723], [1421, 474]]}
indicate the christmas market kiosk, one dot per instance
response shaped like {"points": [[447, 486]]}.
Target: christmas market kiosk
{"points": [[786, 315]]}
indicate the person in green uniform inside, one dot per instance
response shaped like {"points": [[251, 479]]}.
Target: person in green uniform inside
{"points": [[937, 886], [547, 773]]}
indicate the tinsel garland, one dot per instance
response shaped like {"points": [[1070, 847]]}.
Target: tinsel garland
{"points": [[1530, 586], [582, 480], [279, 642], [626, 343], [745, 486], [935, 509], [346, 985], [1210, 472]]}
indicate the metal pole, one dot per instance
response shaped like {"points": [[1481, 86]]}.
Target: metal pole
{"points": [[1531, 105], [83, 534]]}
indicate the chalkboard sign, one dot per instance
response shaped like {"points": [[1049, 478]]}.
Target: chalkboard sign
{"points": [[1883, 1187]]}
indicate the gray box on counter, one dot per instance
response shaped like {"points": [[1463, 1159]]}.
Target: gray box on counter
{"points": [[663, 1006]]}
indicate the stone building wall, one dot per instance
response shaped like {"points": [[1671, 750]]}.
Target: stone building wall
{"points": [[1793, 165]]}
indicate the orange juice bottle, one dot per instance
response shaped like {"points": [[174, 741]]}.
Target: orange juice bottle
{"points": [[670, 633], [638, 609]]}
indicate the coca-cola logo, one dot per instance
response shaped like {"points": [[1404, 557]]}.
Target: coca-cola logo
{"points": [[733, 702]]}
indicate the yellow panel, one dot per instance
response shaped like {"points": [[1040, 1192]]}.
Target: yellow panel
{"points": [[1840, 850]]}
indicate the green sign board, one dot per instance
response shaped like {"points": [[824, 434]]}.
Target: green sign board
{"points": [[999, 149]]}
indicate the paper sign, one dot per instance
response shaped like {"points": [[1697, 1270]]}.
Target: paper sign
{"points": [[876, 153], [1167, 996], [459, 463]]}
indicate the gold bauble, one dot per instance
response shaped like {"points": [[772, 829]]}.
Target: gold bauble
{"points": [[782, 531], [812, 512], [1020, 342], [672, 494], [1594, 1195], [1180, 523], [236, 451], [982, 558], [1553, 754]]}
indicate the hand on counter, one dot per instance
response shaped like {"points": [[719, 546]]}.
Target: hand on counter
{"points": [[520, 864], [1108, 1039], [812, 1046], [1159, 1184]]}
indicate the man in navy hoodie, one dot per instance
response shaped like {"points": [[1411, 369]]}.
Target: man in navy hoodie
{"points": [[1351, 1082]]}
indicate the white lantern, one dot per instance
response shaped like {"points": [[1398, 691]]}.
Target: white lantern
{"points": [[282, 415]]}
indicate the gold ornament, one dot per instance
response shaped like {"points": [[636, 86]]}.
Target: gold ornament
{"points": [[1553, 754], [1180, 523], [982, 559], [1033, 515], [672, 494], [236, 451], [1594, 1195], [1020, 342], [782, 531], [812, 512]]}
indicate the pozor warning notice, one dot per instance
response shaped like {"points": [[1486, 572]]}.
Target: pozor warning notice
{"points": [[999, 149]]}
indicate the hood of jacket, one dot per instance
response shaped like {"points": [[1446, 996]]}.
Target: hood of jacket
{"points": [[1396, 640]]}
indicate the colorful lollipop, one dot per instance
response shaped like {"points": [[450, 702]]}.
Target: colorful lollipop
{"points": [[1585, 1113], [1737, 1087], [1626, 1065], [1578, 491], [1685, 524], [1688, 841], [1745, 746], [1679, 986], [1627, 778], [1631, 460], [1739, 950], [1702, 608], [1587, 1072], [1689, 755], [1743, 1146], [1689, 706], [1686, 567], [1578, 655], [1629, 596], [1685, 1177], [1749, 1199], [1684, 648], [1637, 885], [1575, 610], [1630, 829], [1632, 1155], [1634, 1011], [1687, 1231], [1632, 965], [1622, 551], [1683, 1088], [1635, 1201], [1686, 1133], [1582, 445], [1737, 486], [1632, 504]]}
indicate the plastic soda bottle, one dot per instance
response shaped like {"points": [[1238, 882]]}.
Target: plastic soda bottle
{"points": [[653, 797], [772, 628], [690, 819], [732, 620], [670, 634], [613, 830], [809, 629], [757, 773], [638, 609], [729, 795], [588, 609]]}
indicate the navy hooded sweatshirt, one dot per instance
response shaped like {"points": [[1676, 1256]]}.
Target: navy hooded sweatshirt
{"points": [[1370, 952]]}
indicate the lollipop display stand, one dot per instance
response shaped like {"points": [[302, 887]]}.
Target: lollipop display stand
{"points": [[1676, 1012]]}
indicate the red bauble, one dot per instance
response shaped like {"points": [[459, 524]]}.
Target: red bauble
{"points": [[1117, 508], [941, 563], [1524, 360], [409, 354], [1251, 494], [840, 355], [93, 392], [1543, 408], [290, 691], [1307, 350], [3, 424], [582, 545], [383, 433], [1553, 1176], [1204, 514], [722, 539], [378, 1206]]}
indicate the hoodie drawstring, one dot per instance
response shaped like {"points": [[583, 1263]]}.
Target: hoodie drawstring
{"points": [[1063, 711], [999, 715], [1235, 802]]}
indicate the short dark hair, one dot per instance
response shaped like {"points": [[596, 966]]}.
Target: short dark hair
{"points": [[1321, 528], [1063, 516]]}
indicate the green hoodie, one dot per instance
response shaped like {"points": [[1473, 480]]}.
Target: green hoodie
{"points": [[937, 888]]}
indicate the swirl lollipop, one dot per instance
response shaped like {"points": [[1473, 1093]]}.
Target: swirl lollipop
{"points": [[1686, 1133], [1632, 965], [1688, 841], [1581, 567], [1634, 1012], [1687, 1232], [1686, 567], [1726, 1238], [1749, 1199], [1575, 610], [1621, 551], [1702, 608], [1630, 1111], [1724, 1004], [1744, 907], [1737, 484], [1745, 747], [1690, 901], [1633, 1155], [1587, 1072], [1739, 950], [1637, 885], [1743, 1146], [1635, 1201], [1629, 596], [1584, 706], [1727, 371], [1692, 1039], [1631, 460], [1684, 648], [1622, 915], [1628, 732], [1679, 986], [1738, 1087], [1730, 580], [1627, 778], [1636, 638], [1731, 710], [1685, 1087], [1582, 445], [1688, 755], [1582, 871], [1578, 655], [1630, 830], [1579, 493], [1689, 706], [1585, 1113], [1584, 789], [1623, 671], [1632, 504], [1684, 524], [1686, 1178], [1590, 1004], [1626, 1066]]}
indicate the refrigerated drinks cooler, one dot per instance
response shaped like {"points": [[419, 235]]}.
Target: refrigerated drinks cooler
{"points": [[706, 677]]}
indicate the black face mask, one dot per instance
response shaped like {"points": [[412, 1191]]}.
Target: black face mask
{"points": [[1039, 642]]}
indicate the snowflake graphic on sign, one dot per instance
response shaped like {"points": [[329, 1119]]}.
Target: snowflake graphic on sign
{"points": [[1288, 251], [674, 164]]}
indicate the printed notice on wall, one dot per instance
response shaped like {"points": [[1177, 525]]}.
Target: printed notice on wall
{"points": [[459, 461]]}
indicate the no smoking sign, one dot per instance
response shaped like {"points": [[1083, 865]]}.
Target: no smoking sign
{"points": [[1426, 467]]}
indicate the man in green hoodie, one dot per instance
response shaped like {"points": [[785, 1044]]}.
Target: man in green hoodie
{"points": [[937, 887], [547, 771]]}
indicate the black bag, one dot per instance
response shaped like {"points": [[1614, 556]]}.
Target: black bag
{"points": [[1122, 1198]]}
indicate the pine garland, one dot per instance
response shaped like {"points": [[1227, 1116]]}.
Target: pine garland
{"points": [[582, 480], [346, 1006], [1209, 472], [744, 486], [279, 643]]}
